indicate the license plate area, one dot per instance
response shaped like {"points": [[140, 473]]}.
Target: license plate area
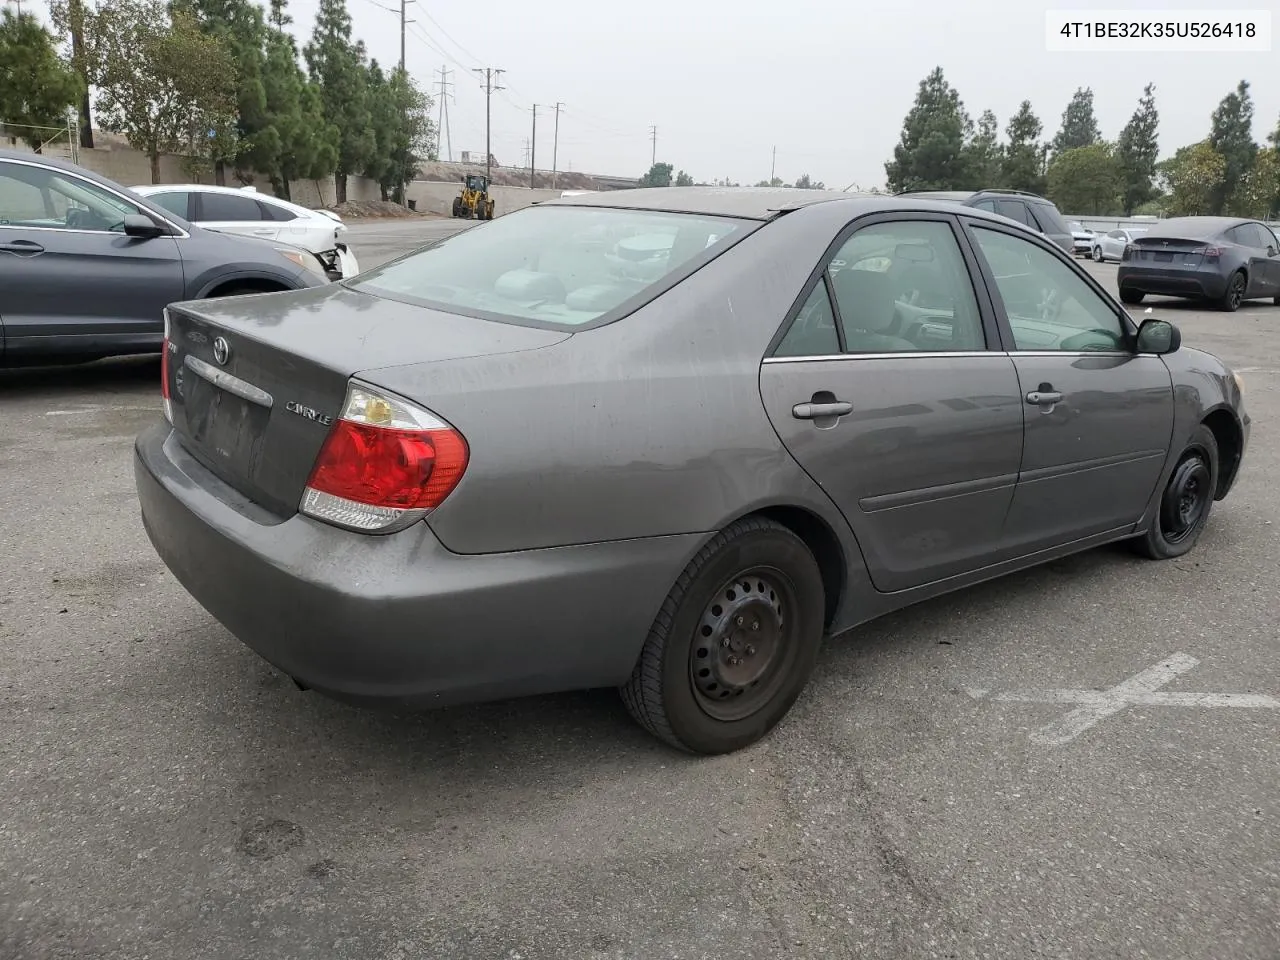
{"points": [[227, 428], [1164, 257]]}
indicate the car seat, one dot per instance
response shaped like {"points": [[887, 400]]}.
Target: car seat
{"points": [[868, 309]]}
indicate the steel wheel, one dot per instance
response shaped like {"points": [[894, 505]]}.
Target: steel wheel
{"points": [[742, 646], [1186, 498]]}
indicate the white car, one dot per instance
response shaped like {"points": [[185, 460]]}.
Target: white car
{"points": [[247, 212], [1081, 238], [1110, 245]]}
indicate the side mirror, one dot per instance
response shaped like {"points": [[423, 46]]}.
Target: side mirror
{"points": [[142, 227], [1158, 337]]}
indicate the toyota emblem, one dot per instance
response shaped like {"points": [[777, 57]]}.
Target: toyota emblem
{"points": [[221, 351]]}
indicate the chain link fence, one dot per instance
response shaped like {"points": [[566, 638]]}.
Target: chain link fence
{"points": [[64, 139]]}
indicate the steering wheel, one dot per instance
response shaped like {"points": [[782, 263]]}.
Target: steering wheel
{"points": [[1085, 341], [74, 217]]}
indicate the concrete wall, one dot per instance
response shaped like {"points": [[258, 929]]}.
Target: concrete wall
{"points": [[1104, 224], [130, 168], [437, 197]]}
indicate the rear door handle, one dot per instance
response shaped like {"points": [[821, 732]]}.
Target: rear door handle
{"points": [[1044, 398], [22, 246], [816, 411]]}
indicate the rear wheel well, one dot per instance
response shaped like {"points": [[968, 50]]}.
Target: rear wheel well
{"points": [[251, 285], [825, 547], [1229, 437]]}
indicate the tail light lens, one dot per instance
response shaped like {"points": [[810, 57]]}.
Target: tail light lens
{"points": [[386, 464], [1212, 253], [164, 371], [1127, 253]]}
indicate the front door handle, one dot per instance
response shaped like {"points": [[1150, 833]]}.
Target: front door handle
{"points": [[1044, 398], [28, 247], [817, 411]]}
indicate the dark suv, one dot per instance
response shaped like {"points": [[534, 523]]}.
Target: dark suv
{"points": [[1036, 212]]}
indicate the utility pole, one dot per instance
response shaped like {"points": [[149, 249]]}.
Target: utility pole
{"points": [[490, 74], [443, 125], [653, 135], [555, 145], [403, 23], [773, 167], [76, 11], [533, 146]]}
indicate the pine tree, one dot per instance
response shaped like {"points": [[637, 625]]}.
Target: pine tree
{"points": [[36, 88], [1079, 126], [306, 145], [1024, 157], [930, 154], [1232, 139], [984, 154], [1137, 151], [338, 70]]}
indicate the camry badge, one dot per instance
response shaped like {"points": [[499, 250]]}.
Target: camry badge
{"points": [[221, 351], [308, 413]]}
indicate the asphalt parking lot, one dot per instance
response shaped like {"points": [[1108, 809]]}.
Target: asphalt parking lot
{"points": [[1016, 771]]}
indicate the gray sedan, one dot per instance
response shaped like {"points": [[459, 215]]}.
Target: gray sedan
{"points": [[668, 440], [87, 267]]}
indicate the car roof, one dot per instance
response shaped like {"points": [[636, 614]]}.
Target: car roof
{"points": [[941, 194], [1195, 227], [749, 203]]}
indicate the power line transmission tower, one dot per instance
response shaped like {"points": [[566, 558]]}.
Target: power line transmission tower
{"points": [[555, 144], [653, 135], [443, 125], [524, 156], [533, 146], [490, 73]]}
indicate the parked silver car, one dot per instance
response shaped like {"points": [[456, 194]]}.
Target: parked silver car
{"points": [[1112, 244], [665, 439]]}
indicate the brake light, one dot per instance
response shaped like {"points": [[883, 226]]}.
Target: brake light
{"points": [[1212, 253], [164, 371], [1125, 254], [386, 464]]}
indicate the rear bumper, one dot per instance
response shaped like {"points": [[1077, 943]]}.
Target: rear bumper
{"points": [[1172, 283], [399, 618]]}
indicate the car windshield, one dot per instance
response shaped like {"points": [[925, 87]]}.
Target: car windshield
{"points": [[553, 265]]}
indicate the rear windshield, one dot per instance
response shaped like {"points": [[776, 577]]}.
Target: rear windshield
{"points": [[555, 266], [1050, 220]]}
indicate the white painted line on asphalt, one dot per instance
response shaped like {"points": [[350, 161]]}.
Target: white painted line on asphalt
{"points": [[1142, 690]]}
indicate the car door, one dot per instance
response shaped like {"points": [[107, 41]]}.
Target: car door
{"points": [[1264, 268], [70, 279], [1113, 245], [1098, 418], [1271, 246], [885, 389], [237, 213]]}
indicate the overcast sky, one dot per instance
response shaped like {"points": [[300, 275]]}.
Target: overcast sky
{"points": [[827, 83]]}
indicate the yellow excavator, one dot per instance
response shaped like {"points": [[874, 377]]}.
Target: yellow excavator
{"points": [[473, 203]]}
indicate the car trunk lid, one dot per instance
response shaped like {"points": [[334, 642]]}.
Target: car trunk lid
{"points": [[1168, 251], [256, 382]]}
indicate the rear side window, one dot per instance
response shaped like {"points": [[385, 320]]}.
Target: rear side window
{"points": [[556, 266], [175, 202], [1015, 210], [813, 333], [988, 205], [1050, 220], [279, 214], [226, 207]]}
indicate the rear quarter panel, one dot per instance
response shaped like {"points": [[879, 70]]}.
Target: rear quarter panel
{"points": [[649, 426]]}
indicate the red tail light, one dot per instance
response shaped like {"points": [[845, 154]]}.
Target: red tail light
{"points": [[164, 371], [1212, 253], [387, 463]]}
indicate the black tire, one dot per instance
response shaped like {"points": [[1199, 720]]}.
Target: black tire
{"points": [[1131, 296], [1234, 295], [699, 633], [1181, 514], [457, 207], [1276, 301], [1096, 254]]}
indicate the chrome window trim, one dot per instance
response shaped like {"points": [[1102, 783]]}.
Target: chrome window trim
{"points": [[944, 354], [178, 231]]}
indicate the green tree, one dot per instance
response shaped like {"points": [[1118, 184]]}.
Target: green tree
{"points": [[1024, 157], [1079, 126], [984, 155], [162, 83], [1086, 180], [659, 175], [36, 87], [805, 182], [240, 27], [1137, 151], [307, 143], [683, 179], [1194, 177], [930, 153], [1231, 137], [413, 135], [337, 68], [1258, 194]]}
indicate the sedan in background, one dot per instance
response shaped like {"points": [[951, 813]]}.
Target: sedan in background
{"points": [[1081, 238], [249, 213], [1111, 245], [87, 268], [664, 439], [1225, 260]]}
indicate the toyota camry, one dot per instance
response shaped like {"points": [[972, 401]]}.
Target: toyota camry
{"points": [[665, 440]]}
